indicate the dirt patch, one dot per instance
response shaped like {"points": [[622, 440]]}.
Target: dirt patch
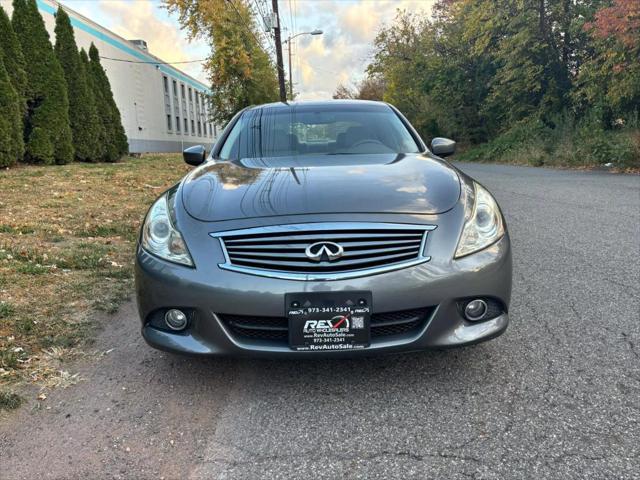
{"points": [[67, 238], [127, 416]]}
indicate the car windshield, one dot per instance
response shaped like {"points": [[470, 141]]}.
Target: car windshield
{"points": [[339, 129]]}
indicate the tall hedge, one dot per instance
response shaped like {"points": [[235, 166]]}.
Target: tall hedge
{"points": [[83, 115], [116, 139], [47, 129], [100, 140], [11, 144], [13, 58]]}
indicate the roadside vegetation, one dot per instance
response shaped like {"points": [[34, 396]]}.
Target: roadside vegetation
{"points": [[543, 83], [67, 240]]}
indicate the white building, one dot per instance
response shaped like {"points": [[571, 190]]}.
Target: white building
{"points": [[163, 109]]}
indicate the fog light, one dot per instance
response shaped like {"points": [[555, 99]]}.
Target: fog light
{"points": [[175, 319], [475, 310]]}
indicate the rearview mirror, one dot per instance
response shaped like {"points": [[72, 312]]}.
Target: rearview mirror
{"points": [[195, 155], [443, 147]]}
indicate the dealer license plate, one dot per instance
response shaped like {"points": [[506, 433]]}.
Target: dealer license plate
{"points": [[323, 321]]}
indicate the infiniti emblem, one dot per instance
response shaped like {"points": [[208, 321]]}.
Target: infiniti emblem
{"points": [[324, 251]]}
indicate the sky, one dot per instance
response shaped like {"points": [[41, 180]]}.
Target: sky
{"points": [[320, 63]]}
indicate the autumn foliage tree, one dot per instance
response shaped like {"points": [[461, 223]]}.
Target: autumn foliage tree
{"points": [[610, 78], [240, 70], [369, 88], [519, 73]]}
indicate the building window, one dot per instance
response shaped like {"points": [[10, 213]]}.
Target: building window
{"points": [[190, 95], [199, 129], [183, 96], [176, 104], [167, 99], [210, 130], [169, 122], [186, 126], [215, 131], [193, 128], [178, 124]]}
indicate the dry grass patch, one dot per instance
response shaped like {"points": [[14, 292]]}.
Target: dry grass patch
{"points": [[67, 240]]}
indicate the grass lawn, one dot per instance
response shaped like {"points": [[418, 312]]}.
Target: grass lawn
{"points": [[67, 240]]}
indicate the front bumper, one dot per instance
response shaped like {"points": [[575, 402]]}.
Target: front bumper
{"points": [[439, 285]]}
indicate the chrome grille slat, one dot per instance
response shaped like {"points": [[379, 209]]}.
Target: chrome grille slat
{"points": [[348, 253], [368, 248], [332, 237], [301, 246], [339, 265]]}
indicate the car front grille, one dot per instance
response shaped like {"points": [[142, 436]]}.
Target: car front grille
{"points": [[283, 251], [387, 324]]}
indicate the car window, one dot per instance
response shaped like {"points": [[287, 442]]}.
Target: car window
{"points": [[318, 130]]}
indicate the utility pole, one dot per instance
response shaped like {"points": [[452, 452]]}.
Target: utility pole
{"points": [[288, 42], [283, 92], [290, 74]]}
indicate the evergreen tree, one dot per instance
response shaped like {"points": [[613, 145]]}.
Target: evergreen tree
{"points": [[13, 59], [83, 116], [116, 140], [100, 140], [11, 145], [47, 130]]}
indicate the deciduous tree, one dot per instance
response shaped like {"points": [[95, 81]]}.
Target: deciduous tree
{"points": [[240, 70]]}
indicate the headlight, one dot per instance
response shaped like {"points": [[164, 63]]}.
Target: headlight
{"points": [[483, 223], [160, 237]]}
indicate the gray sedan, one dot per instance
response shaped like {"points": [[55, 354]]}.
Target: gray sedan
{"points": [[322, 228]]}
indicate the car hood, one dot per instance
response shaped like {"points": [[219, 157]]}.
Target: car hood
{"points": [[264, 187]]}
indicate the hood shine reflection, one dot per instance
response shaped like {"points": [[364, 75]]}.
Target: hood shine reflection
{"points": [[264, 187]]}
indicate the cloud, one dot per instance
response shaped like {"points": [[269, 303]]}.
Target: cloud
{"points": [[320, 63], [343, 52], [147, 21]]}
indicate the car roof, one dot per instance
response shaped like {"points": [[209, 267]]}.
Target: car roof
{"points": [[321, 104]]}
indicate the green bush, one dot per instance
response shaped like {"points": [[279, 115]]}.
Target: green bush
{"points": [[561, 142]]}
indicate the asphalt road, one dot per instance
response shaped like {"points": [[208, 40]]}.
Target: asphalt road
{"points": [[557, 396]]}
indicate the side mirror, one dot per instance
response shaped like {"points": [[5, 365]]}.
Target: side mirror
{"points": [[195, 155], [443, 147]]}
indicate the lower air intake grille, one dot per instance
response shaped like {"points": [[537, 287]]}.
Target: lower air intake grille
{"points": [[324, 250], [277, 328]]}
